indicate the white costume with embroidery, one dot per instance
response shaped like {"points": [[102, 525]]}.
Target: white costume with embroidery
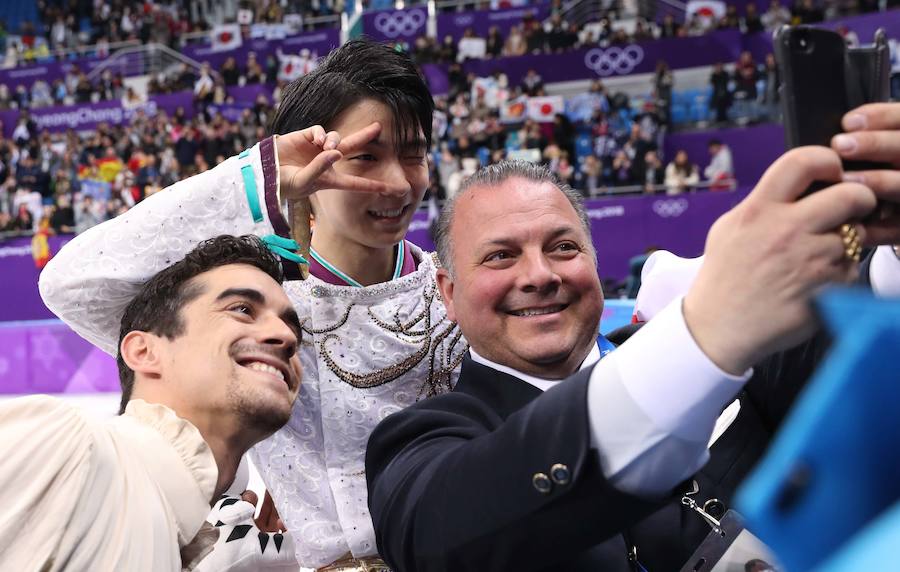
{"points": [[366, 352]]}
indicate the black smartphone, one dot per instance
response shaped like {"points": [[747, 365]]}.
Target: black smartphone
{"points": [[823, 79], [813, 96]]}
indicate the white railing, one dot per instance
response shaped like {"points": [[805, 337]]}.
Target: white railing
{"points": [[582, 12], [144, 59], [63, 54], [655, 189]]}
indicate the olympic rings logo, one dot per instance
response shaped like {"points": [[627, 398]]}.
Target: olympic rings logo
{"points": [[464, 20], [399, 23], [670, 208], [614, 60]]}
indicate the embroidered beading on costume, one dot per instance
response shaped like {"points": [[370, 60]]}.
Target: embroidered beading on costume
{"points": [[374, 351]]}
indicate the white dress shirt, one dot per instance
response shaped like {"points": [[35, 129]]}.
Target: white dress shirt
{"points": [[666, 276], [884, 273]]}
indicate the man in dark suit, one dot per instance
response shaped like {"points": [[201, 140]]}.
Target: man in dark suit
{"points": [[551, 454]]}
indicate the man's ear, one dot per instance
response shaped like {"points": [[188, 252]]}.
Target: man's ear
{"points": [[445, 287], [141, 352]]}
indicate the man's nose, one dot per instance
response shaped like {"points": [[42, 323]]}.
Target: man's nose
{"points": [[396, 179], [537, 273], [275, 332]]}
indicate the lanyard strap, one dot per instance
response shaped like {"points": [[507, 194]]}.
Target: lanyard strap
{"points": [[606, 347], [398, 267]]}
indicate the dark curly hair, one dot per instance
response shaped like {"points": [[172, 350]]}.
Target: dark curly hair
{"points": [[157, 307]]}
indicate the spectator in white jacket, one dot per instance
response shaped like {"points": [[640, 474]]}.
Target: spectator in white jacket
{"points": [[720, 171]]}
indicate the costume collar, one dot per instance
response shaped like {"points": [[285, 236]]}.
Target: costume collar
{"points": [[185, 471], [328, 272]]}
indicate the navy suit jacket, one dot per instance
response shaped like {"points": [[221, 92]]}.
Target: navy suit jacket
{"points": [[451, 478]]}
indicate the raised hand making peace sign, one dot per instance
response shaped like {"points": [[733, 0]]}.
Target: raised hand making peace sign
{"points": [[307, 157]]}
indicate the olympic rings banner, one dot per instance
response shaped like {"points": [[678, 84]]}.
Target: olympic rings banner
{"points": [[392, 26], [603, 62], [396, 25], [596, 62], [623, 227], [481, 21]]}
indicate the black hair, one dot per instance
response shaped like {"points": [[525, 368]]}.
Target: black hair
{"points": [[360, 69], [157, 307]]}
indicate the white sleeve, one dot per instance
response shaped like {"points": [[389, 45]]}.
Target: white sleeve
{"points": [[47, 450], [653, 404], [884, 273], [664, 278], [90, 281]]}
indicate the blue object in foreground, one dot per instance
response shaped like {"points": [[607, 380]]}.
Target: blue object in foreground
{"points": [[826, 495]]}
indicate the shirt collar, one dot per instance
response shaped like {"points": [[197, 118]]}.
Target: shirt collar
{"points": [[185, 471], [540, 383]]}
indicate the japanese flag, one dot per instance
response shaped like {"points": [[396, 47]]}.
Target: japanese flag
{"points": [[544, 109], [293, 66], [710, 11], [226, 37]]}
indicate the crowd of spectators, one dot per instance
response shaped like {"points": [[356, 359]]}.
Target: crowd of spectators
{"points": [[66, 182], [74, 88], [615, 149], [74, 26], [756, 19], [89, 27], [748, 92], [556, 35], [208, 86], [528, 37]]}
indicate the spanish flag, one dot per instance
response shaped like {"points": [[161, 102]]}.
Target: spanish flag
{"points": [[40, 245]]}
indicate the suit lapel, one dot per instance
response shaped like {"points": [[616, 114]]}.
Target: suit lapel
{"points": [[503, 393]]}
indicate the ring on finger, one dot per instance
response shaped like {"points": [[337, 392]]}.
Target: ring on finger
{"points": [[852, 243]]}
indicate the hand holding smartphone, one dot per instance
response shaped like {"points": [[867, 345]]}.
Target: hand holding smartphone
{"points": [[823, 79]]}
